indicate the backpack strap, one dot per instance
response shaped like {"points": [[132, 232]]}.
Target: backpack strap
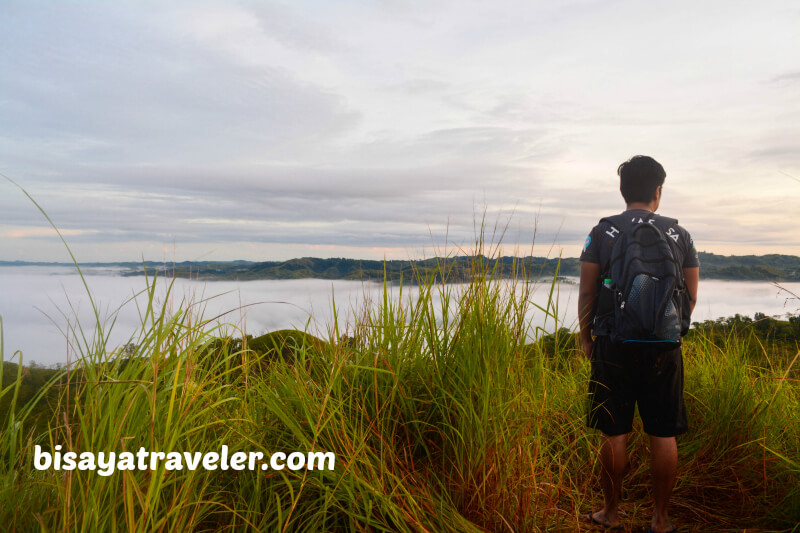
{"points": [[621, 222], [664, 223], [624, 223]]}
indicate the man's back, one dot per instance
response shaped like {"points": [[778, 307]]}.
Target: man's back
{"points": [[600, 245]]}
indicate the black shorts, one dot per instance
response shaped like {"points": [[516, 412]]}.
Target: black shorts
{"points": [[626, 375]]}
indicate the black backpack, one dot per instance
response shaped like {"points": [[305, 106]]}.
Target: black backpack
{"points": [[644, 282]]}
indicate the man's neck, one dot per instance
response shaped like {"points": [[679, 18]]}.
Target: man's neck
{"points": [[641, 205]]}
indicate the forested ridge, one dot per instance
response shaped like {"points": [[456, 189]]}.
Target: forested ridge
{"points": [[772, 267]]}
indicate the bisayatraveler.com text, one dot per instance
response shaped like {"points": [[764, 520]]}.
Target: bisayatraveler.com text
{"points": [[106, 463]]}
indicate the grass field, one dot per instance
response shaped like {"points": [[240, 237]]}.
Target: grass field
{"points": [[442, 415]]}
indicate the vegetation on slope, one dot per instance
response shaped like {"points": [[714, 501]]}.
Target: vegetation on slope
{"points": [[754, 268]]}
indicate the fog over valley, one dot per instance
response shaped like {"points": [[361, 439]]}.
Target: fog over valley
{"points": [[39, 303]]}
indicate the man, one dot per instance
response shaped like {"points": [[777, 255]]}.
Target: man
{"points": [[626, 374]]}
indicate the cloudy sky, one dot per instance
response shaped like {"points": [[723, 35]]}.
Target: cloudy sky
{"points": [[269, 130]]}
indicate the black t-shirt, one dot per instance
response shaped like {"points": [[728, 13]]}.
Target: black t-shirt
{"points": [[600, 241]]}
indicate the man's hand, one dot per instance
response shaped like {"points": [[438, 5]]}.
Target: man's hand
{"points": [[590, 272], [587, 344], [691, 277]]}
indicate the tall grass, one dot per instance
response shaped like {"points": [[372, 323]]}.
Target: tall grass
{"points": [[442, 414]]}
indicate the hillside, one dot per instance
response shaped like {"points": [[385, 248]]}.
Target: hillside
{"points": [[773, 267]]}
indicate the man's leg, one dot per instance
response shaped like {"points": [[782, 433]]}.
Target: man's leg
{"points": [[664, 466], [613, 460]]}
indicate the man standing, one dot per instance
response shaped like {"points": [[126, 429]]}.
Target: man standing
{"points": [[650, 373]]}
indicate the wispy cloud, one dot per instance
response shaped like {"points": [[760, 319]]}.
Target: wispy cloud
{"points": [[789, 77], [24, 233]]}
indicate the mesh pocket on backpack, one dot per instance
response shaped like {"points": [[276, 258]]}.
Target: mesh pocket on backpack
{"points": [[670, 323], [640, 295]]}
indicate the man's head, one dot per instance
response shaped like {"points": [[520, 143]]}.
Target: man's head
{"points": [[639, 179]]}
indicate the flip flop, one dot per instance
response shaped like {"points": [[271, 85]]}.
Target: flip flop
{"points": [[590, 517], [618, 527]]}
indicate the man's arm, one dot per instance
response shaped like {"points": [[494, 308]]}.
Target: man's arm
{"points": [[587, 294], [691, 276]]}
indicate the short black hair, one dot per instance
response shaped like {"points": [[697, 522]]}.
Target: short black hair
{"points": [[639, 177]]}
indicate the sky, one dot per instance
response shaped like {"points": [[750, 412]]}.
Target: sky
{"points": [[257, 130]]}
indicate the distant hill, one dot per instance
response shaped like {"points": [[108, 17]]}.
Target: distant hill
{"points": [[452, 269], [771, 267]]}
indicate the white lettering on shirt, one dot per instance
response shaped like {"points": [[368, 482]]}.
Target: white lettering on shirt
{"points": [[671, 233]]}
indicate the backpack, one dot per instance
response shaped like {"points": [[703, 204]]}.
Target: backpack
{"points": [[645, 282]]}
